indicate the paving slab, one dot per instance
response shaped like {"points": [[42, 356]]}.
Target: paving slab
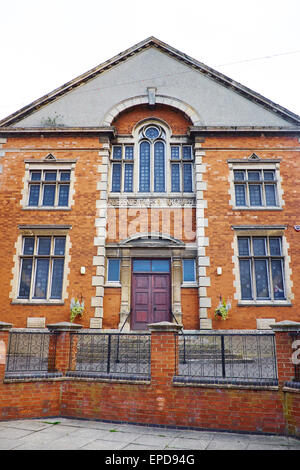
{"points": [[73, 434]]}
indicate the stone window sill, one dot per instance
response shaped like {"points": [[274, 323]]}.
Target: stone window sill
{"points": [[38, 302], [264, 304]]}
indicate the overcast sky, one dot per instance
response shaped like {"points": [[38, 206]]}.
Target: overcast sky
{"points": [[46, 43]]}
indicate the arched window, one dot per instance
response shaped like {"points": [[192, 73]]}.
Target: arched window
{"points": [[152, 161]]}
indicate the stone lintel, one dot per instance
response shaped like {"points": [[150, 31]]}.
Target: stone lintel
{"points": [[5, 326]]}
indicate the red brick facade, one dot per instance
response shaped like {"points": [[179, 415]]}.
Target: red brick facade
{"points": [[192, 213]]}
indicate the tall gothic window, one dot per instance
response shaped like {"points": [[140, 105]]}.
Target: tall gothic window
{"points": [[152, 161], [152, 150]]}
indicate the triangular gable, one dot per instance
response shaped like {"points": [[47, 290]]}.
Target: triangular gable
{"points": [[87, 100]]}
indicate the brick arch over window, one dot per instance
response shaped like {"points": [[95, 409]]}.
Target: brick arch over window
{"points": [[191, 114], [175, 120]]}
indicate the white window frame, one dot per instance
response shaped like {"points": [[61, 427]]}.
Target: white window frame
{"points": [[189, 283], [259, 165], [48, 165], [34, 231], [264, 232]]}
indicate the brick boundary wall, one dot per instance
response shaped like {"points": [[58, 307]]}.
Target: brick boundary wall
{"points": [[161, 400]]}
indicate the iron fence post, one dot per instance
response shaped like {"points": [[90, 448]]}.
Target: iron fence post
{"points": [[223, 356], [108, 353]]}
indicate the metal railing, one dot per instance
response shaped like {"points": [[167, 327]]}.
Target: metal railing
{"points": [[30, 353], [112, 354], [228, 356]]}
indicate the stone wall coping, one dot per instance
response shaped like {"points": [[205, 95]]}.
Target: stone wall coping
{"points": [[286, 325], [164, 326], [64, 326], [5, 326]]}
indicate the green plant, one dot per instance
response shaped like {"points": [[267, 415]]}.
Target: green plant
{"points": [[222, 309], [77, 309]]}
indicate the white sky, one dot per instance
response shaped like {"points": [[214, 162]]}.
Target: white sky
{"points": [[46, 43]]}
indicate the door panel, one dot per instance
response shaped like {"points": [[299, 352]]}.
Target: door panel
{"points": [[160, 297], [150, 299]]}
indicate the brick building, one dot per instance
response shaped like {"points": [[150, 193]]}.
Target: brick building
{"points": [[150, 188]]}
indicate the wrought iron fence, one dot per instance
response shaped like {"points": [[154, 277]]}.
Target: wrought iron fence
{"points": [[232, 356], [110, 354], [30, 353]]}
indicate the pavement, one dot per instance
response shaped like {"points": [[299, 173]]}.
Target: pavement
{"points": [[74, 434]]}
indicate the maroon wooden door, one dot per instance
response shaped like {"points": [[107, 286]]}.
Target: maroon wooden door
{"points": [[150, 299]]}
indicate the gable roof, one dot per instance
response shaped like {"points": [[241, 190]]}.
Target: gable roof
{"points": [[290, 120]]}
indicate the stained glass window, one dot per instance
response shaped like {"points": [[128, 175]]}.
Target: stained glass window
{"points": [[257, 189], [261, 268], [145, 167], [42, 267], [49, 188], [159, 167]]}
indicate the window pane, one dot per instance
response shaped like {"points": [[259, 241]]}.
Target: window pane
{"points": [[187, 152], [243, 244], [189, 270], [44, 245], [160, 265], [253, 175], [269, 175], [65, 175], [159, 167], [255, 195], [41, 278], [117, 152], [57, 278], [116, 178], [34, 195], [261, 278], [141, 265], [35, 175], [49, 195], [270, 194], [145, 167], [240, 195], [129, 152], [239, 175], [25, 280], [63, 197], [245, 275], [275, 246], [259, 246], [28, 247], [187, 178], [128, 178], [175, 175], [59, 245], [113, 273], [277, 277], [175, 153], [50, 175]]}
